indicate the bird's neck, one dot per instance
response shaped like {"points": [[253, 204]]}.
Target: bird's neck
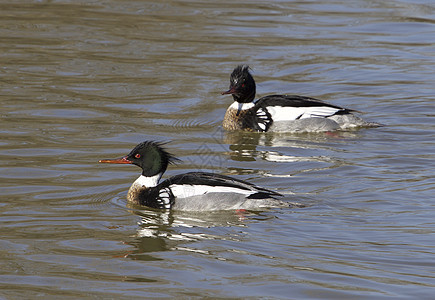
{"points": [[242, 106], [142, 183], [148, 182]]}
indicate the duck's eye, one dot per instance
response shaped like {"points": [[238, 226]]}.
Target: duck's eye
{"points": [[243, 85], [137, 155]]}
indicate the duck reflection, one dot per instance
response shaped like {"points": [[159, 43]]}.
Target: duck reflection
{"points": [[165, 230], [243, 145]]}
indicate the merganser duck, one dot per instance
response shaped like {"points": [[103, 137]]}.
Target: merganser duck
{"points": [[290, 113], [194, 191]]}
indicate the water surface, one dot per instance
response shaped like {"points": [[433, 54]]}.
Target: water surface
{"points": [[87, 80]]}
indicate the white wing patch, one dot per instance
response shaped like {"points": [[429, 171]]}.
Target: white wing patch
{"points": [[263, 119], [262, 126], [320, 111], [187, 190], [164, 198], [287, 113]]}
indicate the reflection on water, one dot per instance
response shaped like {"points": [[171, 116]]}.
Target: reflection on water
{"points": [[244, 146], [166, 224], [85, 80], [171, 230]]}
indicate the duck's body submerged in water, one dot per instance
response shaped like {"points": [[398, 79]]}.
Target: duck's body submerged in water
{"points": [[194, 191], [290, 113]]}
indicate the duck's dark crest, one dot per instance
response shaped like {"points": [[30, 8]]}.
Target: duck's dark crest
{"points": [[240, 70], [158, 147]]}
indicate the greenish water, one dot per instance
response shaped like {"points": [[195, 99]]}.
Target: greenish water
{"points": [[86, 80]]}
